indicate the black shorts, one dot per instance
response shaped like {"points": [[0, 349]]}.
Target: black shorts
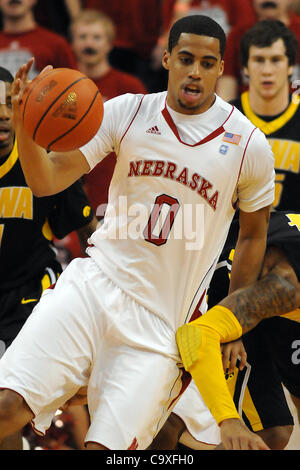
{"points": [[273, 359], [17, 304]]}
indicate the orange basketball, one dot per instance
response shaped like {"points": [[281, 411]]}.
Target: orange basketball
{"points": [[62, 109]]}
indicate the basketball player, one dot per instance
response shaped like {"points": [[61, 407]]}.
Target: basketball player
{"points": [[268, 55], [28, 262], [271, 347], [111, 320]]}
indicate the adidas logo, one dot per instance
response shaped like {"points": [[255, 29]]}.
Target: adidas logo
{"points": [[154, 130]]}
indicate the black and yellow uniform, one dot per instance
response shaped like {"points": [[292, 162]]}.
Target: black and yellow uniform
{"points": [[28, 262], [282, 132], [273, 346]]}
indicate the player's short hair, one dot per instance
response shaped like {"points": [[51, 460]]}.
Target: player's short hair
{"points": [[5, 75], [197, 24], [89, 16], [264, 34]]}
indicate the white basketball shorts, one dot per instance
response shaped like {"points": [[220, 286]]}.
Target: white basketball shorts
{"points": [[200, 424], [87, 331]]}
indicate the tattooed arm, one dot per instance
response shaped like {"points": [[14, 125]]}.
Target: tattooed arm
{"points": [[276, 292]]}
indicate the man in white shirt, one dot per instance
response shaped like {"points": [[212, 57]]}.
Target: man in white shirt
{"points": [[185, 161]]}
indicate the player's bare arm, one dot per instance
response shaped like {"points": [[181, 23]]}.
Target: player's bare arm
{"points": [[250, 248], [276, 293], [46, 174]]}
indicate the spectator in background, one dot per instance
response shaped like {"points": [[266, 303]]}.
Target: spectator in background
{"points": [[234, 82], [138, 24], [22, 38], [92, 37]]}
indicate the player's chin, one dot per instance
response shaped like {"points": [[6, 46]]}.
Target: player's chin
{"points": [[187, 106]]}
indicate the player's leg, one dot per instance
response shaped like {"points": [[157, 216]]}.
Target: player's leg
{"points": [[135, 379], [14, 414], [283, 338], [51, 357], [168, 437], [16, 306], [264, 406]]}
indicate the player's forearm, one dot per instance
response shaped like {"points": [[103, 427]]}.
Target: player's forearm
{"points": [[38, 169], [48, 174], [247, 262], [270, 296], [199, 347]]}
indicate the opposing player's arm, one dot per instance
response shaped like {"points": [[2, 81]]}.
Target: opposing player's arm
{"points": [[250, 247]]}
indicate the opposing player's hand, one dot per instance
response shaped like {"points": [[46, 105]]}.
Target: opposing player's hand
{"points": [[231, 352], [236, 436]]}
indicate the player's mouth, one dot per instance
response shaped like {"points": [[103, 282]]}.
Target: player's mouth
{"points": [[267, 84], [191, 93], [4, 133]]}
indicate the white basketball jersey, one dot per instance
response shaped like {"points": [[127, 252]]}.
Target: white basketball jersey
{"points": [[171, 202]]}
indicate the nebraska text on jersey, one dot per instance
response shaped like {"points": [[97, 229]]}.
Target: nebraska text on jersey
{"points": [[171, 170]]}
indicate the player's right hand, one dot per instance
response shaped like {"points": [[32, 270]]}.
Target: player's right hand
{"points": [[19, 87], [236, 436]]}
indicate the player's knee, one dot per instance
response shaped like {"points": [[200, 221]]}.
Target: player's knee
{"points": [[10, 404], [277, 437]]}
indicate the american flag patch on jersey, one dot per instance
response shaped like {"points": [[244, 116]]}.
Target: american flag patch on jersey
{"points": [[232, 138]]}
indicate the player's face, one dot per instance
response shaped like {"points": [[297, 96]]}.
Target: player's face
{"points": [[194, 66], [268, 70], [90, 43], [6, 129], [16, 8]]}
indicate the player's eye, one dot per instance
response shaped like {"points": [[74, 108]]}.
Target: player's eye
{"points": [[186, 60]]}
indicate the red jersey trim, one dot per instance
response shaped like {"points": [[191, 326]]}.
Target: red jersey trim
{"points": [[206, 139], [132, 119], [185, 382], [197, 313], [242, 162]]}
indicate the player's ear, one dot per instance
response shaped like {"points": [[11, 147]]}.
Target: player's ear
{"points": [[221, 69], [166, 60], [246, 72], [290, 71]]}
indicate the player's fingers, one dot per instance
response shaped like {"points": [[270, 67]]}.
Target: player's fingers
{"points": [[243, 360], [46, 69], [225, 358], [233, 359]]}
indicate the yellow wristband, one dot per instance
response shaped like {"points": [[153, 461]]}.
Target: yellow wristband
{"points": [[223, 321]]}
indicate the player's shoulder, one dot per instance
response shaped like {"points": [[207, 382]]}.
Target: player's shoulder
{"points": [[133, 102], [237, 123]]}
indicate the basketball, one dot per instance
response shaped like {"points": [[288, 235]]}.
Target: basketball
{"points": [[62, 109]]}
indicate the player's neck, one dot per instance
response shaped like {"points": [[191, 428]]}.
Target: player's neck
{"points": [[95, 70], [19, 25], [268, 107]]}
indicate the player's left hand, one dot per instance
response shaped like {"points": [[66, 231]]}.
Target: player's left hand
{"points": [[231, 352]]}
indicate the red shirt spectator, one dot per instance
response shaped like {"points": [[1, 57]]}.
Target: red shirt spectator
{"points": [[46, 46], [138, 23], [227, 13]]}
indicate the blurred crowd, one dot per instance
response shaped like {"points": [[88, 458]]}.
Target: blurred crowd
{"points": [[119, 44]]}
